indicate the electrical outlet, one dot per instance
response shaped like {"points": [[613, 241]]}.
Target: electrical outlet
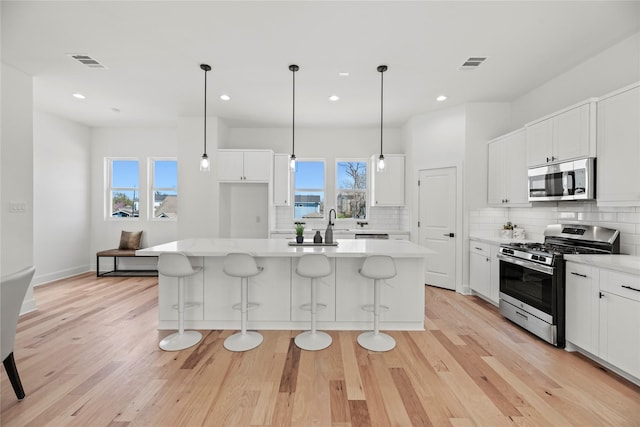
{"points": [[17, 207]]}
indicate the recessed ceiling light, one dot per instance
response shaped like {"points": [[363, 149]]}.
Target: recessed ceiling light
{"points": [[441, 98], [343, 74], [334, 98], [225, 97], [78, 95]]}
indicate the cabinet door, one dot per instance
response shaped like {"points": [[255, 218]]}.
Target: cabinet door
{"points": [[582, 306], [620, 332], [571, 133], [497, 155], [281, 180], [619, 148], [539, 142], [516, 170], [230, 165], [388, 186], [257, 165], [480, 273]]}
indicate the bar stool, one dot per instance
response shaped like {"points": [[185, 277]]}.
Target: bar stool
{"points": [[378, 268], [243, 266], [313, 266], [178, 265]]}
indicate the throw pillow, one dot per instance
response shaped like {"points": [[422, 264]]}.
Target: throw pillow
{"points": [[130, 240]]}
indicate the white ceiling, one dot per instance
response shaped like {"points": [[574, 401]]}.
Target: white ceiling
{"points": [[153, 49]]}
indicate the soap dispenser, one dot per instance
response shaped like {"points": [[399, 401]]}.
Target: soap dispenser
{"points": [[328, 234]]}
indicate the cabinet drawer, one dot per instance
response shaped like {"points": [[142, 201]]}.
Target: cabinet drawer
{"points": [[580, 272], [480, 248], [622, 284]]}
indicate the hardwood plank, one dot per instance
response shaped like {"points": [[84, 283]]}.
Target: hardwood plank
{"points": [[89, 356]]}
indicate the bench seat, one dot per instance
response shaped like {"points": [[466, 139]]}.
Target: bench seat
{"points": [[121, 253]]}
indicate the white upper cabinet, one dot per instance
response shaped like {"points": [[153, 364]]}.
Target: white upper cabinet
{"points": [[507, 170], [387, 188], [244, 165], [281, 180], [565, 135], [618, 177]]}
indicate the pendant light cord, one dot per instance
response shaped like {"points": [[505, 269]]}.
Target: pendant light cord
{"points": [[205, 110], [293, 68], [381, 104]]}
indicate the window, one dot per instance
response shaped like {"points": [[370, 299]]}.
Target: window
{"points": [[124, 188], [164, 188], [351, 186], [309, 189]]}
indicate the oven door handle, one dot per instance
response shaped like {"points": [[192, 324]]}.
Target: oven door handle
{"points": [[526, 264]]}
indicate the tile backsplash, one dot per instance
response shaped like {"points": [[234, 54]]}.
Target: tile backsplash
{"points": [[379, 218], [489, 221]]}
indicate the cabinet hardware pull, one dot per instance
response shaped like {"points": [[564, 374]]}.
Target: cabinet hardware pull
{"points": [[474, 246], [488, 259], [600, 295], [632, 288], [578, 274]]}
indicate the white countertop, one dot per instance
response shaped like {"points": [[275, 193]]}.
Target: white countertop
{"points": [[281, 248], [624, 263]]}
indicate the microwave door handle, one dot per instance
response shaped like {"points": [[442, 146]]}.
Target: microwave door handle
{"points": [[572, 175]]}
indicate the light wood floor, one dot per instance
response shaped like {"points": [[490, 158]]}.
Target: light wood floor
{"points": [[89, 357]]}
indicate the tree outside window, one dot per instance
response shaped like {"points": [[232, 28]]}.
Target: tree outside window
{"points": [[124, 189], [351, 185]]}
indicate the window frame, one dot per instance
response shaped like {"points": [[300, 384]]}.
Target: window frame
{"points": [[294, 187], [365, 191], [109, 189], [151, 167]]}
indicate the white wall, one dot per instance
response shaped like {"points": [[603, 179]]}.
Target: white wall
{"points": [[61, 214], [198, 198], [142, 144], [16, 154], [612, 69]]}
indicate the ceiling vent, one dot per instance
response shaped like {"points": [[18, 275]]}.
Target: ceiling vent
{"points": [[86, 60], [472, 63]]}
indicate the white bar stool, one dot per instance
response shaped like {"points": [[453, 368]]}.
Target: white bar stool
{"points": [[178, 265], [378, 268], [243, 266], [313, 266]]}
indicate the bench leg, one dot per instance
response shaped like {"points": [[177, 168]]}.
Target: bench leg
{"points": [[97, 266]]}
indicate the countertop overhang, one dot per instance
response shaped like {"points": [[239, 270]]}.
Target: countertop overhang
{"points": [[281, 248]]}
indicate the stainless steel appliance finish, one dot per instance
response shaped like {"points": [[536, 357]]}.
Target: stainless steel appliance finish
{"points": [[574, 180], [532, 292]]}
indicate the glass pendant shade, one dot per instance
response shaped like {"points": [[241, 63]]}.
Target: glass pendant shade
{"points": [[205, 164], [380, 165], [292, 162]]}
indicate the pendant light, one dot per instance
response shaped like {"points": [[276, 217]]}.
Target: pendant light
{"points": [[381, 69], [292, 160], [205, 164]]}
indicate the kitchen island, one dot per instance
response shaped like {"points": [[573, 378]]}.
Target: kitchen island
{"points": [[280, 291]]}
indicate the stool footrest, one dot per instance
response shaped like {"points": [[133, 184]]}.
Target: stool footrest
{"points": [[371, 307], [188, 305], [307, 307], [250, 306]]}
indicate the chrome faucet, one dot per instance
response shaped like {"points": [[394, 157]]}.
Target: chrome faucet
{"points": [[334, 216]]}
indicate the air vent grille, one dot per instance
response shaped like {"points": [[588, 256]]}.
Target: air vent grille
{"points": [[472, 63], [86, 60]]}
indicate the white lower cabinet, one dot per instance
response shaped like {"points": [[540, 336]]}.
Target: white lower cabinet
{"points": [[582, 301], [603, 315], [484, 269], [620, 320]]}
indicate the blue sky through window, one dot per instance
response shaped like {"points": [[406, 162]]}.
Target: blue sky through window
{"points": [[166, 174], [309, 175], [124, 174]]}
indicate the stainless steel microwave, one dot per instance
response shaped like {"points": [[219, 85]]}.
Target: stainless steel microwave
{"points": [[574, 180]]}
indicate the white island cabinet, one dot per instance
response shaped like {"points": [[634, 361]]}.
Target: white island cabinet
{"points": [[280, 291]]}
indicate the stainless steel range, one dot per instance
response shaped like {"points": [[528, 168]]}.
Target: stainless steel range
{"points": [[532, 291]]}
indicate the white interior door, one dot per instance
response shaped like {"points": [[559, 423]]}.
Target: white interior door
{"points": [[437, 222]]}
